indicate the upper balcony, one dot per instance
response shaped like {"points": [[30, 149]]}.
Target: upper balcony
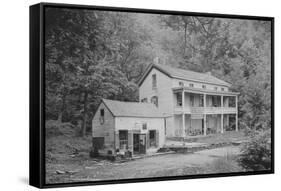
{"points": [[197, 102], [205, 110]]}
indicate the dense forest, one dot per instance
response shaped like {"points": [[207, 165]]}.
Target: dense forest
{"points": [[95, 54]]}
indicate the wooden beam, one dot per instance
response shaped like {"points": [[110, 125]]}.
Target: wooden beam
{"points": [[205, 118], [236, 104], [205, 125], [183, 100], [183, 125], [222, 123], [222, 114]]}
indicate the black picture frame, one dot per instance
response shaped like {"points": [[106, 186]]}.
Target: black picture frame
{"points": [[37, 170]]}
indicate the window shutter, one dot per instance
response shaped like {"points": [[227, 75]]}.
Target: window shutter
{"points": [[157, 138], [117, 145], [130, 140]]}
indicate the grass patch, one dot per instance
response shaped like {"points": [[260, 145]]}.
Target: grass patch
{"points": [[226, 137]]}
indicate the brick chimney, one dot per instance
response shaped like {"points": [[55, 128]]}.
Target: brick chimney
{"points": [[156, 60]]}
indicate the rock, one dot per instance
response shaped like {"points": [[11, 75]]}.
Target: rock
{"points": [[60, 172], [71, 171]]}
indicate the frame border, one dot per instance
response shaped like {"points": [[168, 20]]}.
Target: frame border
{"points": [[37, 165]]}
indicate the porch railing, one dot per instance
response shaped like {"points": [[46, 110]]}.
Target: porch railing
{"points": [[207, 110]]}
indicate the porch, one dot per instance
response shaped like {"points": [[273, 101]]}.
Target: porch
{"points": [[135, 142], [195, 101], [190, 125]]}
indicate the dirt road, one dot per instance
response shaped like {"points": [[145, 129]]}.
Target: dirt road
{"points": [[86, 169]]}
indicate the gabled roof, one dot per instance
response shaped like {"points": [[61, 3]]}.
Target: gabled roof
{"points": [[132, 109], [183, 74]]}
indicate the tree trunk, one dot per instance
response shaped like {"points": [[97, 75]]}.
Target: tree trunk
{"points": [[84, 123], [62, 109], [185, 30], [60, 117]]}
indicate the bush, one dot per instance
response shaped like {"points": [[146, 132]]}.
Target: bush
{"points": [[256, 155]]}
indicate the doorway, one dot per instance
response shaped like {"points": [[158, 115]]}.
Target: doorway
{"points": [[139, 142]]}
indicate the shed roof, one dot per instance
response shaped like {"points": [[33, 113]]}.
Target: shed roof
{"points": [[132, 109], [184, 74]]}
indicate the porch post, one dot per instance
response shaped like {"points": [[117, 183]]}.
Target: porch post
{"points": [[222, 114], [183, 115], [204, 114], [222, 123], [205, 125], [183, 99], [183, 125], [236, 104]]}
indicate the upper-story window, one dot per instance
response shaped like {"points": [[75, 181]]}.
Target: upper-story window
{"points": [[216, 101], [216, 88], [179, 99], [154, 100], [191, 100], [101, 116], [154, 81], [204, 86], [144, 126], [222, 89], [181, 84], [201, 101], [144, 100], [191, 85]]}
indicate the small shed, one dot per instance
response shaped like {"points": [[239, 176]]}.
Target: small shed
{"points": [[127, 127]]}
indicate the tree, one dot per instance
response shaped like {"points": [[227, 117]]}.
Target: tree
{"points": [[256, 155]]}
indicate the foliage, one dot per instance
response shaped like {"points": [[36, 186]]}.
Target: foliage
{"points": [[95, 54], [89, 56], [256, 155]]}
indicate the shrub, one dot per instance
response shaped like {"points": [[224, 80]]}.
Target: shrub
{"points": [[256, 155]]}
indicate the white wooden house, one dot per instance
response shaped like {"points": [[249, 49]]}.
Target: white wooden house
{"points": [[172, 103], [127, 126], [194, 103]]}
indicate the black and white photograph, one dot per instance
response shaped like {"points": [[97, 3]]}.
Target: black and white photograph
{"points": [[132, 95]]}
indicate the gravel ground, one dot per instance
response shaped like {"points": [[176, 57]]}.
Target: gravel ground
{"points": [[83, 168]]}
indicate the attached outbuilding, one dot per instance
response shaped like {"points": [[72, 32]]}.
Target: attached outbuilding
{"points": [[127, 128]]}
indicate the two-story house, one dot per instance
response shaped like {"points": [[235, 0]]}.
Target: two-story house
{"points": [[193, 103], [172, 103]]}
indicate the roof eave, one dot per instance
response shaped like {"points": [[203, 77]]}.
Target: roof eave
{"points": [[139, 116], [188, 79], [147, 71], [205, 91]]}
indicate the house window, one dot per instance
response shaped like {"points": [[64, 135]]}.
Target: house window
{"points": [[201, 101], [144, 100], [192, 100], [179, 99], [181, 84], [231, 102], [191, 85], [152, 138], [204, 86], [216, 88], [222, 89], [154, 82], [144, 126], [154, 100], [101, 116], [216, 101], [123, 139]]}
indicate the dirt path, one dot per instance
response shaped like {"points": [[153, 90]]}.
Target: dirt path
{"points": [[87, 169]]}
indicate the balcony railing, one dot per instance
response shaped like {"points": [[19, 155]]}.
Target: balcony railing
{"points": [[196, 110], [207, 110], [228, 110]]}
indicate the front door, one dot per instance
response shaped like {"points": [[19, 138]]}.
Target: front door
{"points": [[139, 141]]}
